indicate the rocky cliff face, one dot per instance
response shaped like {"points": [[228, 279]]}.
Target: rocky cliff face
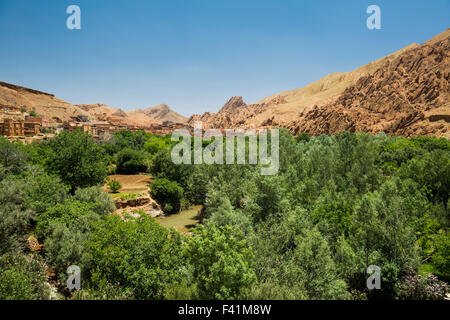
{"points": [[234, 114], [409, 95], [404, 93]]}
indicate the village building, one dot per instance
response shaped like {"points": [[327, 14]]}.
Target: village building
{"points": [[18, 128], [43, 122]]}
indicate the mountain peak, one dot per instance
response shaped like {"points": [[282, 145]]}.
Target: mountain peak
{"points": [[163, 112], [233, 104], [405, 93]]}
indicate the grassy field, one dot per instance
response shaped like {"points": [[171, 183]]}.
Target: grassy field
{"points": [[130, 184], [183, 221]]}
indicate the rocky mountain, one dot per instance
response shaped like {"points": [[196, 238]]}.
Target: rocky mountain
{"points": [[153, 115], [405, 93], [163, 113], [409, 95], [48, 106], [44, 104], [116, 116]]}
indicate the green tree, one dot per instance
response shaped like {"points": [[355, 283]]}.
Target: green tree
{"points": [[441, 257], [100, 200], [223, 214], [22, 278], [43, 190], [168, 194], [76, 159], [15, 216], [130, 161], [155, 144], [316, 266], [136, 254], [222, 263], [432, 173], [72, 212], [12, 156]]}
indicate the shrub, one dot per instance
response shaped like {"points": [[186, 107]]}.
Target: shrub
{"points": [[114, 185], [64, 246], [221, 261], [22, 278], [136, 254], [416, 287], [130, 161], [128, 196], [65, 228], [12, 157], [105, 291], [70, 213], [15, 216], [168, 194], [76, 159], [441, 257], [100, 200]]}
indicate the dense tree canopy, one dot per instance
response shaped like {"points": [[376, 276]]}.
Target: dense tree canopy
{"points": [[75, 158], [337, 205]]}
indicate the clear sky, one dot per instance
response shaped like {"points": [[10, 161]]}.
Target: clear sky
{"points": [[195, 54]]}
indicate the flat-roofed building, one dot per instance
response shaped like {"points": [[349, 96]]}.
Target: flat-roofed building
{"points": [[11, 128], [43, 122]]}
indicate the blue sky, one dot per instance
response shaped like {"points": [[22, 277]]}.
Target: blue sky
{"points": [[195, 54]]}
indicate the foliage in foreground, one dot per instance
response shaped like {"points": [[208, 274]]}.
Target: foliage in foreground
{"points": [[338, 204]]}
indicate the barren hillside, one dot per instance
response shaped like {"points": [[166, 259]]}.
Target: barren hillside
{"points": [[44, 104], [164, 113], [406, 93], [149, 116], [409, 95]]}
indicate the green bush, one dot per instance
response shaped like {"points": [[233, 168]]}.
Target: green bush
{"points": [[136, 254], [114, 185], [441, 257], [221, 261], [75, 158], [22, 278], [130, 161], [70, 213], [168, 194], [12, 156], [100, 200], [15, 216]]}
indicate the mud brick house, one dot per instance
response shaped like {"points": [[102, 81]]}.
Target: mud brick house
{"points": [[70, 126], [18, 128], [43, 122], [10, 127]]}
